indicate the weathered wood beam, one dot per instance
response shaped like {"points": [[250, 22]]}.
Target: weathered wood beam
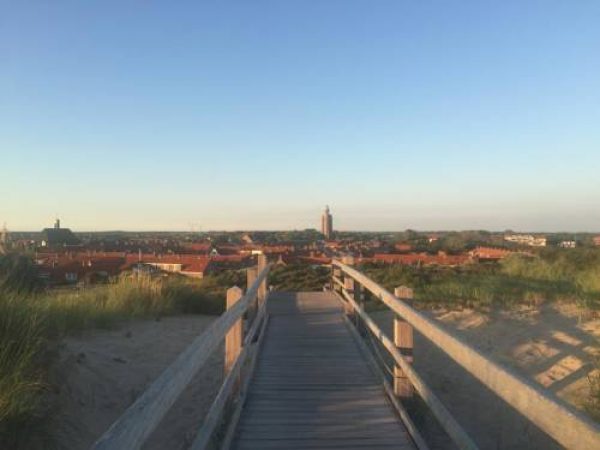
{"points": [[560, 421], [135, 425], [441, 413]]}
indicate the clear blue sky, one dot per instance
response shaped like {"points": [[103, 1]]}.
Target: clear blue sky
{"points": [[254, 114]]}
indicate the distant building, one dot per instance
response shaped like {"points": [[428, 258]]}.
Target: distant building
{"points": [[490, 253], [58, 237], [597, 241], [526, 239], [433, 238], [327, 223], [402, 248], [568, 244], [193, 266]]}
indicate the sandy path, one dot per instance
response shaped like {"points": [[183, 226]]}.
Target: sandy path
{"points": [[553, 345], [99, 375]]}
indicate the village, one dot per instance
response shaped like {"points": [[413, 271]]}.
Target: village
{"points": [[64, 257]]}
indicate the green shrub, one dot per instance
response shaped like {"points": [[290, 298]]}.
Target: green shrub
{"points": [[299, 277], [22, 335], [550, 275]]}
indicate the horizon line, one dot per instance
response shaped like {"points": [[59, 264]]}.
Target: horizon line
{"points": [[274, 230]]}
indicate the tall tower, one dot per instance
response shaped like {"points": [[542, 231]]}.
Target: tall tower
{"points": [[57, 224], [326, 223]]}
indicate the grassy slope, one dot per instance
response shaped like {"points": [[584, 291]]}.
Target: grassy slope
{"points": [[553, 274], [30, 320]]}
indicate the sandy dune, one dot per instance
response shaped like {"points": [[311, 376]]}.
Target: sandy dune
{"points": [[551, 344], [100, 374]]}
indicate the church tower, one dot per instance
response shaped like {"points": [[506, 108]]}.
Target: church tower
{"points": [[327, 223]]}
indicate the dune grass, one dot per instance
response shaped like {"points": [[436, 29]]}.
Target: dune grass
{"points": [[32, 320], [570, 274]]}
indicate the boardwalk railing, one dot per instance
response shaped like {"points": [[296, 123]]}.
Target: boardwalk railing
{"points": [[132, 429], [557, 419]]}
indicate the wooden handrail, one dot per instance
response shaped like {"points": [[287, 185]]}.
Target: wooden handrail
{"points": [[215, 413], [408, 423], [140, 419], [454, 430], [559, 420]]}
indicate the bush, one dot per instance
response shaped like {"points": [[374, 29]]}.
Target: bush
{"points": [[299, 277], [18, 274], [554, 274]]}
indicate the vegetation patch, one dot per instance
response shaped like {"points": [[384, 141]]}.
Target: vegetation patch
{"points": [[299, 277], [32, 319], [550, 275]]}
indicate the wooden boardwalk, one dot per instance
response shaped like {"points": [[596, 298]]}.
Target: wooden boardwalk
{"points": [[312, 387]]}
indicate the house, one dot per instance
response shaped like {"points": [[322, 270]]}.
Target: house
{"points": [[490, 253], [567, 244], [193, 266], [69, 268], [58, 237], [402, 247], [441, 259], [203, 248], [247, 238], [526, 239], [596, 241]]}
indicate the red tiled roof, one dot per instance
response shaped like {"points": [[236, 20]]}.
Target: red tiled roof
{"points": [[200, 247], [423, 258], [189, 263], [490, 253]]}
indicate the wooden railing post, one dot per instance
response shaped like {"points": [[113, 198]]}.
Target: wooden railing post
{"points": [[336, 272], [251, 274], [349, 284], [233, 338], [403, 339], [262, 289]]}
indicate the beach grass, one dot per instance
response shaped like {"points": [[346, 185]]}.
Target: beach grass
{"points": [[31, 320]]}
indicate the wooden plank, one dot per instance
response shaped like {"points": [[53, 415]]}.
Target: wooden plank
{"points": [[312, 388], [441, 413], [230, 432], [408, 423], [576, 431], [338, 442], [139, 420], [233, 338], [403, 339], [215, 413], [262, 289]]}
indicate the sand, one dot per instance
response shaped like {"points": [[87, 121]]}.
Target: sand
{"points": [[552, 344], [97, 376]]}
